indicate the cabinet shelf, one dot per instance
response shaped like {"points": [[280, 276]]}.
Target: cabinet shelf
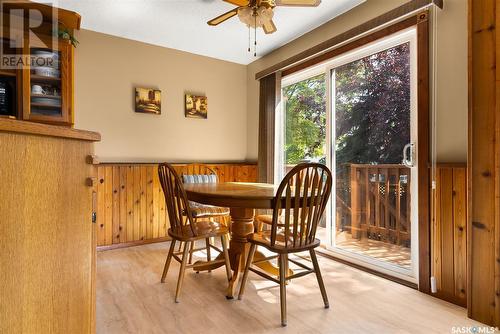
{"points": [[56, 97], [43, 105], [42, 78], [8, 74]]}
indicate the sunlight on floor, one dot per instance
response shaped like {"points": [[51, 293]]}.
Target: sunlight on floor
{"points": [[131, 299]]}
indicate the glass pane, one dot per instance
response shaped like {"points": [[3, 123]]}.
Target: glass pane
{"points": [[372, 126], [305, 126], [46, 83], [8, 83]]}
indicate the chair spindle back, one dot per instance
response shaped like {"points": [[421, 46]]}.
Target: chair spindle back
{"points": [[175, 199], [196, 168], [301, 199]]}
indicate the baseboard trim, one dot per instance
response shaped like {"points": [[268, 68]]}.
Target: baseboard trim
{"points": [[131, 244]]}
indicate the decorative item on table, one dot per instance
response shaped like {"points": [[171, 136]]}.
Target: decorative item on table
{"points": [[148, 100], [196, 106]]}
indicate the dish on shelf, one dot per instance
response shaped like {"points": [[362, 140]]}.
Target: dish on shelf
{"points": [[47, 72], [48, 53], [50, 58], [46, 100], [47, 96]]}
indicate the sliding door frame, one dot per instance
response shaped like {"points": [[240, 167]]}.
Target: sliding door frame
{"points": [[421, 23], [409, 36]]}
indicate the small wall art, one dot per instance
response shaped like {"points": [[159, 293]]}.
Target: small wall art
{"points": [[148, 100], [196, 106]]}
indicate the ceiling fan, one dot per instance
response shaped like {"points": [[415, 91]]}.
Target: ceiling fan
{"points": [[259, 13]]}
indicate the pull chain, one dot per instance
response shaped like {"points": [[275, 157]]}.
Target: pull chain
{"points": [[249, 38], [255, 37]]}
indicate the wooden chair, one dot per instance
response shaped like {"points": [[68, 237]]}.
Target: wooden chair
{"points": [[186, 230], [299, 204], [200, 173]]}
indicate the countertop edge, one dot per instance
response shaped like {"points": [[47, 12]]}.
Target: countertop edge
{"points": [[17, 126]]}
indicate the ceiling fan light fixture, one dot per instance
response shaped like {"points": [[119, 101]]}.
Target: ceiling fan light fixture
{"points": [[255, 18], [265, 14]]}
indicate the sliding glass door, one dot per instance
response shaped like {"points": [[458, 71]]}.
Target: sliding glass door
{"points": [[303, 126], [373, 132], [357, 114]]}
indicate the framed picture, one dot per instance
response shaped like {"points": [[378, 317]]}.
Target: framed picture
{"points": [[148, 101], [196, 106]]}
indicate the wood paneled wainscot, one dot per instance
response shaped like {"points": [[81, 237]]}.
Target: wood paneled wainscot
{"points": [[130, 202], [449, 233], [47, 239]]}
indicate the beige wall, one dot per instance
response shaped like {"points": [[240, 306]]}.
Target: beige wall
{"points": [[451, 144], [451, 82], [107, 70], [104, 92]]}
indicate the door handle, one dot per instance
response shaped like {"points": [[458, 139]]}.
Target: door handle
{"points": [[94, 205], [409, 162]]}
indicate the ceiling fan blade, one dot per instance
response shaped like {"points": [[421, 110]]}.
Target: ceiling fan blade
{"points": [[240, 3], [269, 27], [299, 3], [221, 18]]}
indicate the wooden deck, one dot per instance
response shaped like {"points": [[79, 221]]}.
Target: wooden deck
{"points": [[130, 299], [378, 250]]}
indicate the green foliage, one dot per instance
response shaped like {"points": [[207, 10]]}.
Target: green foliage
{"points": [[64, 33], [372, 111], [305, 118], [372, 108]]}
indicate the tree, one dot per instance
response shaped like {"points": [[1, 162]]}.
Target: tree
{"points": [[372, 108], [305, 120], [372, 111]]}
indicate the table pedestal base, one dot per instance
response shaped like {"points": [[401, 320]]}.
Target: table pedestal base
{"points": [[242, 226]]}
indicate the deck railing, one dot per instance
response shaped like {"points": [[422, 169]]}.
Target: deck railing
{"points": [[373, 201]]}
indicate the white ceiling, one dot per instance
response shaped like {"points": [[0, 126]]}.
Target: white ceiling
{"points": [[181, 24]]}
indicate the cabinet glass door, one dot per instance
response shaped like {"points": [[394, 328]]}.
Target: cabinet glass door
{"points": [[46, 84]]}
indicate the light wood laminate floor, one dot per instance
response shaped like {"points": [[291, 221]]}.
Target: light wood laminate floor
{"points": [[130, 299]]}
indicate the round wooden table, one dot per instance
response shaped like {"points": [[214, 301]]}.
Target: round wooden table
{"points": [[242, 199]]}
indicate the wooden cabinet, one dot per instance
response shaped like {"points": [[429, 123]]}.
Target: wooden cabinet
{"points": [[47, 238], [40, 79]]}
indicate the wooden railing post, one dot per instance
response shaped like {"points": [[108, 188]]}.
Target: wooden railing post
{"points": [[397, 197], [367, 202], [355, 209]]}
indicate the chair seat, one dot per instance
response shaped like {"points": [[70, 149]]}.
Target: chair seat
{"points": [[264, 239], [268, 219], [199, 210], [203, 229]]}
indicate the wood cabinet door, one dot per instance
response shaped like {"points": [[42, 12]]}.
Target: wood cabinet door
{"points": [[55, 104], [47, 250]]}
